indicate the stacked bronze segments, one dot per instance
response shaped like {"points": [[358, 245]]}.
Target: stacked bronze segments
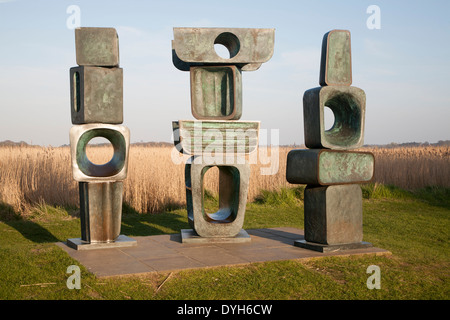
{"points": [[332, 173], [217, 137], [96, 90]]}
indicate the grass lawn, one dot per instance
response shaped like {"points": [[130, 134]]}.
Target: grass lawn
{"points": [[413, 226]]}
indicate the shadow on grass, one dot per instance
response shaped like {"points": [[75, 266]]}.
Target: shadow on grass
{"points": [[29, 229], [138, 224]]}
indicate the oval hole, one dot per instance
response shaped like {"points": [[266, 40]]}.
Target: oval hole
{"points": [[99, 150], [76, 93]]}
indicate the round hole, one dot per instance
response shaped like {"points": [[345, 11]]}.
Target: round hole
{"points": [[99, 150], [111, 168], [226, 45]]}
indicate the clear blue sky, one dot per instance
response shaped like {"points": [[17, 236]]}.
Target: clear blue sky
{"points": [[403, 67]]}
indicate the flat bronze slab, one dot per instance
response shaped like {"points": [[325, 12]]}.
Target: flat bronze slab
{"points": [[190, 236], [121, 242]]}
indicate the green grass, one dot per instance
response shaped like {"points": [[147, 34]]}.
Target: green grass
{"points": [[412, 225]]}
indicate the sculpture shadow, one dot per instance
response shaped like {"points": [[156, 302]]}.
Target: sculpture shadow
{"points": [[29, 229], [137, 224], [284, 237]]}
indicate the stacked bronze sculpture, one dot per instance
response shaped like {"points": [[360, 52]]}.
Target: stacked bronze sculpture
{"points": [[217, 138], [97, 111], [333, 198]]}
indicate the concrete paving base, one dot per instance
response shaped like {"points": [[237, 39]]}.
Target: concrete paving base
{"points": [[167, 252]]}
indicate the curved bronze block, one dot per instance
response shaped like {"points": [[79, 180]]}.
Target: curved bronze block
{"points": [[216, 92], [233, 189], [248, 47], [336, 60], [328, 167]]}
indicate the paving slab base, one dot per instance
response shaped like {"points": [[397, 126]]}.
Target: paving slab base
{"points": [[168, 253]]}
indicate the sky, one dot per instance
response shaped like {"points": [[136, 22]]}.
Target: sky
{"points": [[402, 64]]}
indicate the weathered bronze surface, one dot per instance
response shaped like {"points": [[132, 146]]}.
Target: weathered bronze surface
{"points": [[333, 214], [97, 47], [348, 105], [327, 167], [96, 95], [83, 169], [227, 222], [216, 92], [100, 210], [248, 47], [198, 137], [336, 61]]}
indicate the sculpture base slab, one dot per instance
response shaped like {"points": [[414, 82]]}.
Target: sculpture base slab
{"points": [[190, 236], [330, 248], [120, 242]]}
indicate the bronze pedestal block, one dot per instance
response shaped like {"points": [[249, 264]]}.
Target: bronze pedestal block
{"points": [[333, 218]]}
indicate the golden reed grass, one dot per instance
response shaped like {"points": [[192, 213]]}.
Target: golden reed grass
{"points": [[31, 174]]}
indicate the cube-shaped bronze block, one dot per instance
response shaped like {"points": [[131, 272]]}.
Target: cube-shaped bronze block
{"points": [[96, 95], [336, 61], [348, 105], [216, 92], [97, 47]]}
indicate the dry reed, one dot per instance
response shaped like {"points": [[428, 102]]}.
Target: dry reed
{"points": [[31, 175]]}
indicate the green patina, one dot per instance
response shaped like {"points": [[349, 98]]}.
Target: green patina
{"points": [[111, 168], [345, 167]]}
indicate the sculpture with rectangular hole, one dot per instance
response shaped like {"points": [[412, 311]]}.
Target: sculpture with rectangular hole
{"points": [[217, 138], [96, 90], [332, 173]]}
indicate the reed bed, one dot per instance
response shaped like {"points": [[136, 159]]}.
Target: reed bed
{"points": [[32, 175]]}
